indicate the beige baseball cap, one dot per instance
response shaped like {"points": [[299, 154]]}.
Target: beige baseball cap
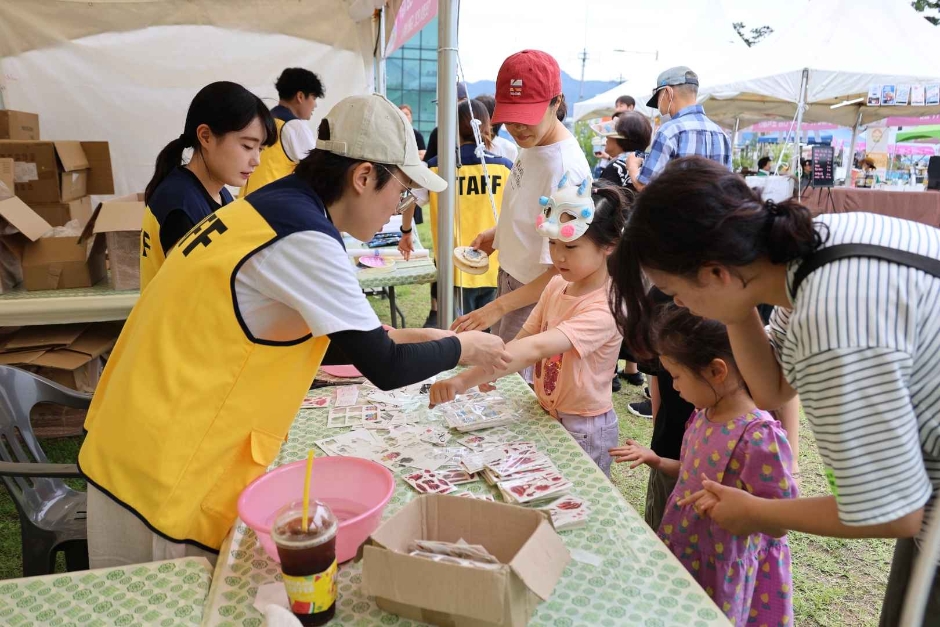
{"points": [[372, 128]]}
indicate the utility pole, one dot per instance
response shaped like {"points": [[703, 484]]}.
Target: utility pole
{"points": [[583, 57]]}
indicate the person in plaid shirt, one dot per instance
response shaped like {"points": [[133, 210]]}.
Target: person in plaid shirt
{"points": [[688, 131]]}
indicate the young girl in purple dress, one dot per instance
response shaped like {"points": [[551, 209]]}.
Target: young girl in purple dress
{"points": [[730, 441]]}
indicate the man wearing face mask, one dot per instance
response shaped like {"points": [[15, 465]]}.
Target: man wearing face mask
{"points": [[687, 132]]}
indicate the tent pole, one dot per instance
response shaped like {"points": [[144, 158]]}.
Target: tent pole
{"points": [[849, 158], [446, 156], [801, 105], [380, 81], [734, 135]]}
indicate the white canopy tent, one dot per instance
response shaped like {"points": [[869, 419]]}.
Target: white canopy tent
{"points": [[829, 55], [126, 71], [702, 39]]}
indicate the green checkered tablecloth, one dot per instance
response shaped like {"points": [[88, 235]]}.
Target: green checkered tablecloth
{"points": [[621, 573], [156, 594], [405, 273]]}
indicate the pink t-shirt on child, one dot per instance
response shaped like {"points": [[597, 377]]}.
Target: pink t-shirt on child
{"points": [[576, 381]]}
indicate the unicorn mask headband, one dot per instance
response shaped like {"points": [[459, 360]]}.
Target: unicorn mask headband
{"points": [[571, 199]]}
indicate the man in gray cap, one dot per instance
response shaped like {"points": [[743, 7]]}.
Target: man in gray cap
{"points": [[687, 131]]}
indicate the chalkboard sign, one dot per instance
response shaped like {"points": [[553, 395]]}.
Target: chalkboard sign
{"points": [[823, 161]]}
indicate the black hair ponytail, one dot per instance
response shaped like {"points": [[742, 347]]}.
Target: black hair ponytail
{"points": [[224, 107]]}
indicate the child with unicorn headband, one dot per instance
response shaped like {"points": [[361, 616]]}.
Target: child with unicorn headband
{"points": [[570, 336]]}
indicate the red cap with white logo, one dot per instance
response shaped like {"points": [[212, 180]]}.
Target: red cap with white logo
{"points": [[526, 83]]}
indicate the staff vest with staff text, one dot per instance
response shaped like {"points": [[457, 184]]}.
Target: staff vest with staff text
{"points": [[182, 191], [474, 210], [191, 407], [275, 164]]}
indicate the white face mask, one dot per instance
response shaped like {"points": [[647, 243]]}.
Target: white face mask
{"points": [[665, 117], [571, 199]]}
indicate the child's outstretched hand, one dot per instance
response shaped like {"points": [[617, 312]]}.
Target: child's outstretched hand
{"points": [[736, 511], [634, 452], [445, 391], [702, 501]]}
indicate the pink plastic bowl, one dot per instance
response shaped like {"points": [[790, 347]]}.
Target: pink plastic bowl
{"points": [[357, 491]]}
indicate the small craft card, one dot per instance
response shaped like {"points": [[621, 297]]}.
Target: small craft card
{"points": [[311, 402], [534, 488], [429, 482], [568, 512], [355, 416], [347, 395]]}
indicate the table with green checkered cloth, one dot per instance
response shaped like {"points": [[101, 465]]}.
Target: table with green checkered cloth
{"points": [[158, 594], [621, 573], [405, 273]]}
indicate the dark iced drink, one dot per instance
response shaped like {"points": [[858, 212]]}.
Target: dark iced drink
{"points": [[308, 560]]}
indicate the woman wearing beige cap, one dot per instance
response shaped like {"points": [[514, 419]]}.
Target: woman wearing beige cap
{"points": [[221, 348]]}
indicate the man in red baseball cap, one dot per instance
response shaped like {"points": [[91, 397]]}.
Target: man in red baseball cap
{"points": [[528, 99]]}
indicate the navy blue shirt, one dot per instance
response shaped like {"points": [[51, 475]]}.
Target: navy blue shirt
{"points": [[179, 203]]}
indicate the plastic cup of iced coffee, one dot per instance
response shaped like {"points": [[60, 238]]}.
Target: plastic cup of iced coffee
{"points": [[308, 560]]}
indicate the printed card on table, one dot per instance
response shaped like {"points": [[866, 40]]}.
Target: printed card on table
{"points": [[428, 482], [347, 395], [312, 402]]}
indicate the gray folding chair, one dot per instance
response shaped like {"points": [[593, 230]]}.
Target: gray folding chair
{"points": [[52, 515]]}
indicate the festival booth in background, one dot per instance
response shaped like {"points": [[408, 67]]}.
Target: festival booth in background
{"points": [[794, 76]]}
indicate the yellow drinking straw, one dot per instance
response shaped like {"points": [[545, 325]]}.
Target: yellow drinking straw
{"points": [[304, 519]]}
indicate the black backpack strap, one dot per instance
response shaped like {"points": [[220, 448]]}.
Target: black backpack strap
{"points": [[843, 251]]}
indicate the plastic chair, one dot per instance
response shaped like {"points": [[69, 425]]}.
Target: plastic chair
{"points": [[52, 515]]}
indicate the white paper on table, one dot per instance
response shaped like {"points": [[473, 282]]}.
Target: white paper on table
{"points": [[346, 395], [272, 594]]}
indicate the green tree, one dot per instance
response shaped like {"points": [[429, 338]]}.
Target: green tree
{"points": [[584, 134], [923, 5], [753, 35]]}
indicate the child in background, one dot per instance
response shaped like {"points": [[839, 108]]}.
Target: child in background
{"points": [[734, 443], [571, 336], [474, 208]]}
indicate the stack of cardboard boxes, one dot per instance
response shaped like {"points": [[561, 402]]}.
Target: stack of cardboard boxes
{"points": [[48, 184]]}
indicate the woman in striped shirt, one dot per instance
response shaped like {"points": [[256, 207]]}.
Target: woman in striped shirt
{"points": [[858, 339]]}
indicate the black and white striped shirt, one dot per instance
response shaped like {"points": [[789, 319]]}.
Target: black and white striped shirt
{"points": [[861, 346]]}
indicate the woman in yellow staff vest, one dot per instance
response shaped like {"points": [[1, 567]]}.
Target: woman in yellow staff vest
{"points": [[218, 353], [226, 126]]}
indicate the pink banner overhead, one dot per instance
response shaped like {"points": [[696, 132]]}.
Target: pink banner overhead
{"points": [[412, 17], [904, 149], [906, 121]]}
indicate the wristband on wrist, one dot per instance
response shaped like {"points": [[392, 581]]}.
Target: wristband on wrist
{"points": [[405, 231]]}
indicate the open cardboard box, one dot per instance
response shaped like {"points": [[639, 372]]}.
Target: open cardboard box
{"points": [[69, 354], [51, 263], [6, 178], [120, 221], [59, 171], [419, 589], [61, 213]]}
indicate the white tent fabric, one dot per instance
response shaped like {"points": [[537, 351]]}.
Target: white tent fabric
{"points": [[703, 40], [130, 83], [846, 46]]}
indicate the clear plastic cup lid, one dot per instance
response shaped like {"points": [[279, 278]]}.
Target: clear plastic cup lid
{"points": [[288, 524]]}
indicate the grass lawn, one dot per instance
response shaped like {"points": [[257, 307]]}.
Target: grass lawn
{"points": [[836, 582]]}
